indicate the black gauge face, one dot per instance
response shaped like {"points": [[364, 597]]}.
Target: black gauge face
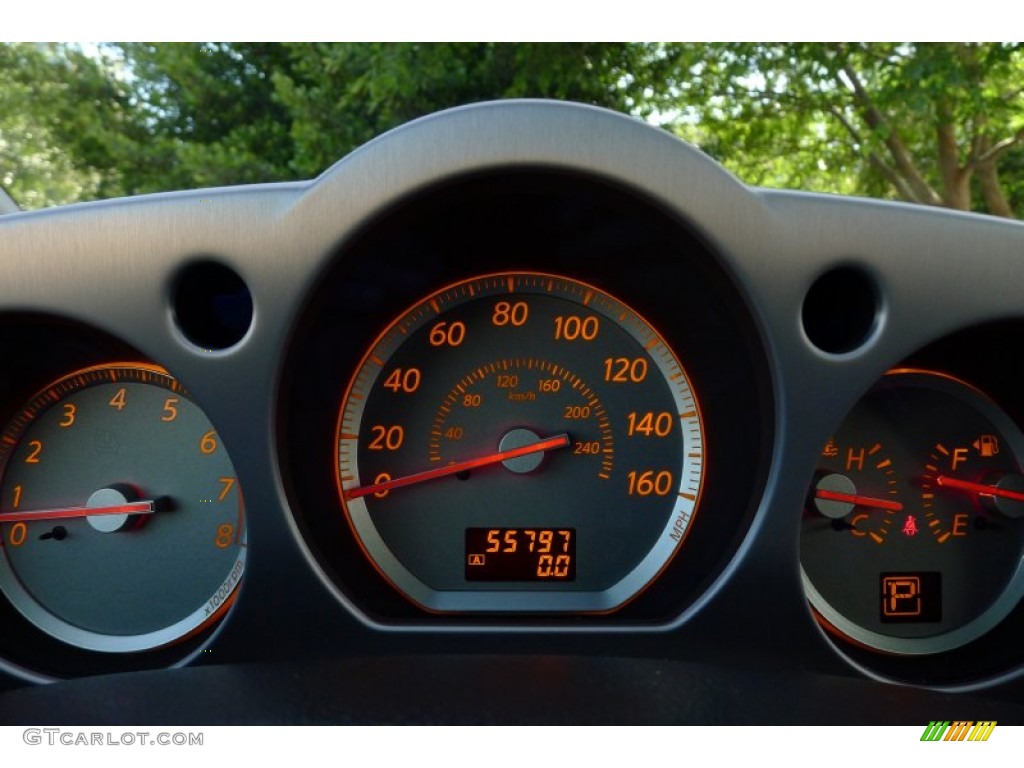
{"points": [[121, 518], [520, 442], [912, 537]]}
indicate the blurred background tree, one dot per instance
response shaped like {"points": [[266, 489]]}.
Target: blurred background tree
{"points": [[939, 124], [932, 123]]}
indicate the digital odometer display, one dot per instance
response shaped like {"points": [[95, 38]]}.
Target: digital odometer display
{"points": [[520, 554], [511, 405]]}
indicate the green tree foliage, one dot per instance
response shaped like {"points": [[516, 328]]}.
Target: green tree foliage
{"points": [[342, 95], [65, 125], [933, 123], [941, 124], [147, 117], [211, 112]]}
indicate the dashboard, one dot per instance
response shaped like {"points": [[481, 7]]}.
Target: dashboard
{"points": [[523, 412]]}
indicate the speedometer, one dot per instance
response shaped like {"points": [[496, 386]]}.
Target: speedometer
{"points": [[520, 442]]}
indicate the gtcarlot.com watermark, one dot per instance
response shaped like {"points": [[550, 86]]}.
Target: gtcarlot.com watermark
{"points": [[63, 737]]}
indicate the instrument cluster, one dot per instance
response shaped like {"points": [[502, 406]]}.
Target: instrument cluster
{"points": [[520, 378]]}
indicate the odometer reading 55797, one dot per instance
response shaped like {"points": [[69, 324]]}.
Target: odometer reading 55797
{"points": [[498, 418], [520, 554]]}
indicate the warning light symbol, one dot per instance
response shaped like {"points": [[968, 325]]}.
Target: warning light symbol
{"points": [[987, 445], [910, 526], [476, 559], [831, 449]]}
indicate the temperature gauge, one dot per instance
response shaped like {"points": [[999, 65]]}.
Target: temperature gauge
{"points": [[912, 535]]}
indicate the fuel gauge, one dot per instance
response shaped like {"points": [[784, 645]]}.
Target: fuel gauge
{"points": [[913, 532]]}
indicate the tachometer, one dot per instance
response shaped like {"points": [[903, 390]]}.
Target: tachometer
{"points": [[520, 442], [121, 519]]}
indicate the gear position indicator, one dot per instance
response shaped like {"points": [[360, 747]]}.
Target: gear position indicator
{"points": [[913, 529]]}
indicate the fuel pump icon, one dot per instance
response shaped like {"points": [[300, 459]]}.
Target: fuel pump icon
{"points": [[987, 445]]}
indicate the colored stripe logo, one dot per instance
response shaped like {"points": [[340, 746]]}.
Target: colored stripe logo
{"points": [[959, 730]]}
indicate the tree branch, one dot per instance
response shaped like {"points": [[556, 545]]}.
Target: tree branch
{"points": [[956, 190], [1000, 147], [977, 144], [901, 157], [1012, 94], [991, 188], [904, 191], [850, 128], [902, 188], [992, 191]]}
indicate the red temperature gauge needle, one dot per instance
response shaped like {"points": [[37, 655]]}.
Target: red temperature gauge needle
{"points": [[65, 513], [979, 488], [862, 501], [547, 444]]}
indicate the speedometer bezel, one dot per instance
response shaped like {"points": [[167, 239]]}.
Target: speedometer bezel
{"points": [[594, 229], [525, 598]]}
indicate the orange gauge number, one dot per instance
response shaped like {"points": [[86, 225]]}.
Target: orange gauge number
{"points": [[121, 520], [520, 442]]}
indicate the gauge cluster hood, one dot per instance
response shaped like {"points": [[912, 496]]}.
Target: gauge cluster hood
{"points": [[263, 301]]}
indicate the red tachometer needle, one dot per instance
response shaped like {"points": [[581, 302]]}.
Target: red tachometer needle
{"points": [[979, 488], [65, 513], [862, 501], [547, 444]]}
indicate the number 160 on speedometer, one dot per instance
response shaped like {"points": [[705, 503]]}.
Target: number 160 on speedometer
{"points": [[520, 442]]}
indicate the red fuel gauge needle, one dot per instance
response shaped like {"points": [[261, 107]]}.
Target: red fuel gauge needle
{"points": [[862, 501], [979, 488], [67, 513], [547, 444]]}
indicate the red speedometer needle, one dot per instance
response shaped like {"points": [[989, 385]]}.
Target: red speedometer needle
{"points": [[547, 444], [862, 501], [979, 488], [66, 513]]}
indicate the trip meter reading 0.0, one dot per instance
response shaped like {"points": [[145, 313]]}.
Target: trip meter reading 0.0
{"points": [[520, 442], [528, 554]]}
